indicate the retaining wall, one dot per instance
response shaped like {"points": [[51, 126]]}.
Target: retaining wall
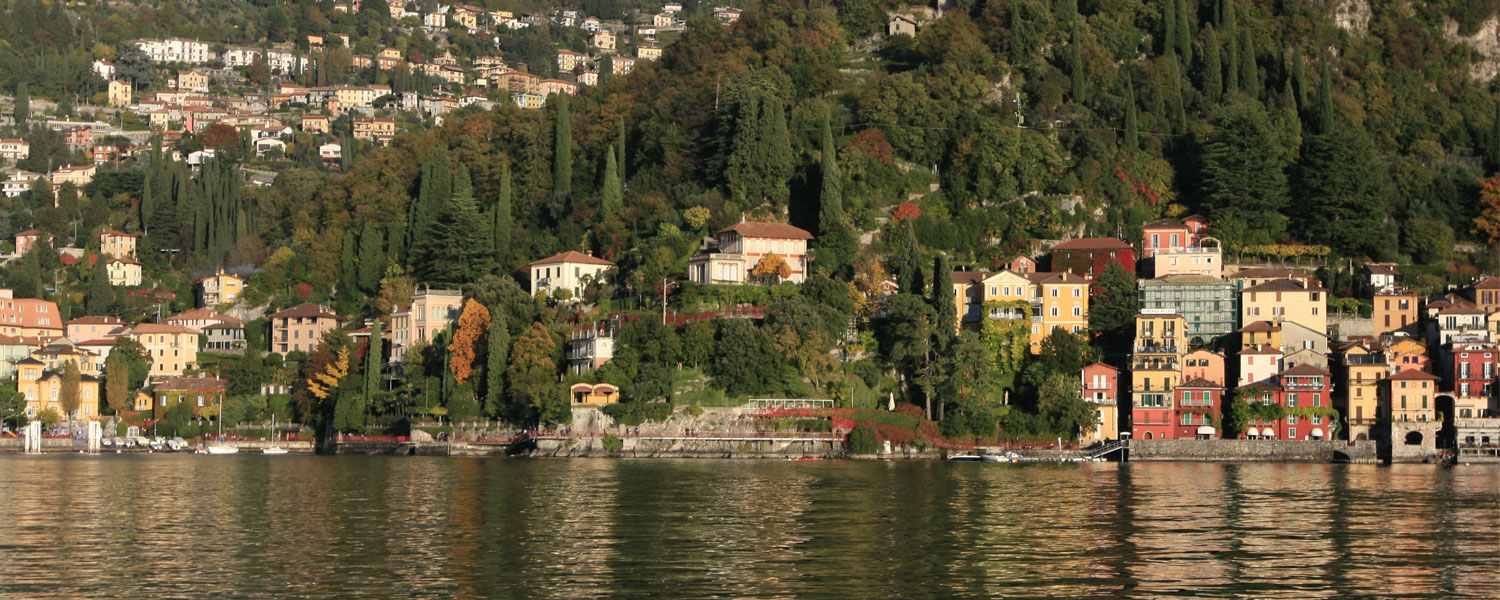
{"points": [[1253, 451]]}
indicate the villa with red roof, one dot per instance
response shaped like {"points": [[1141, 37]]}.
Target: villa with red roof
{"points": [[1087, 257], [743, 245], [571, 271]]}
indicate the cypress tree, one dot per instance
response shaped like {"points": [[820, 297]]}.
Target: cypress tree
{"points": [[1494, 137], [562, 155], [613, 197], [1075, 68], [1017, 48], [147, 203], [620, 144], [459, 250], [1325, 102], [101, 294], [22, 106], [942, 296], [502, 219], [1179, 101], [1232, 57], [463, 184], [374, 363], [1168, 25], [1132, 127], [1184, 34], [494, 370], [1067, 10], [831, 197], [371, 259], [395, 242], [436, 188], [1213, 68], [1249, 74], [348, 275], [1299, 78]]}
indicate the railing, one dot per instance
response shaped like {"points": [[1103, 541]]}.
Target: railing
{"points": [[1106, 449]]}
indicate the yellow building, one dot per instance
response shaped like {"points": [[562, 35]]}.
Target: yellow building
{"points": [[173, 348], [123, 272], [192, 81], [42, 389], [219, 289], [117, 243], [1408, 396], [1284, 301], [1055, 301], [120, 93], [1395, 311], [648, 52], [1155, 371], [595, 394], [1260, 334], [1365, 367]]}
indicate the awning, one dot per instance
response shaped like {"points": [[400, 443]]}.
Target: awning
{"points": [[1205, 430], [1317, 433], [1252, 432]]}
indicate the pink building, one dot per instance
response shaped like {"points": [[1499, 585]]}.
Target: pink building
{"points": [[431, 311], [1304, 386], [1101, 389], [88, 328], [301, 327], [26, 240], [742, 246], [1205, 365]]}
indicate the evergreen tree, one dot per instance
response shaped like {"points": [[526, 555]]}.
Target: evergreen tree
{"points": [[436, 186], [348, 272], [942, 298], [372, 259], [831, 196], [535, 397], [22, 106], [760, 162], [562, 153], [97, 213], [1325, 103], [1075, 68], [458, 251], [1168, 26], [1115, 307], [1341, 194], [1184, 34], [620, 146], [501, 222], [1244, 181], [1213, 68], [613, 196], [496, 361], [1132, 125], [101, 297], [1232, 56], [1299, 79], [374, 360], [1249, 73], [1066, 10], [395, 242]]}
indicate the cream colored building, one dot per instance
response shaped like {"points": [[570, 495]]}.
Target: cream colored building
{"points": [[218, 289], [604, 40], [121, 93], [301, 328], [192, 81], [571, 271], [42, 389], [1054, 300], [123, 272], [1287, 301], [173, 348], [117, 244]]}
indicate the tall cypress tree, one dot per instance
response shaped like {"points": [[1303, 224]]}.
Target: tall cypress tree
{"points": [[501, 222], [1232, 56], [1325, 102], [1249, 73], [374, 362], [22, 106], [1184, 34], [348, 273], [620, 145], [1494, 139], [942, 296], [459, 250], [1299, 80], [1168, 26], [831, 197], [562, 154], [613, 196], [371, 258], [101, 298], [494, 369], [1213, 67], [1132, 126]]}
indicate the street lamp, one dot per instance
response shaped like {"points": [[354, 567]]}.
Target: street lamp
{"points": [[666, 283]]}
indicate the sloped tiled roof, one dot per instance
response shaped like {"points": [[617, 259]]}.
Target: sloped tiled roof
{"points": [[306, 310], [1092, 244], [572, 256], [769, 230]]}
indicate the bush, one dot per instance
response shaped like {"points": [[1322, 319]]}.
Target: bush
{"points": [[613, 443], [696, 411], [862, 440], [631, 414]]}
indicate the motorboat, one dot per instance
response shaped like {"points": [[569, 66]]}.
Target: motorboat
{"points": [[223, 450], [973, 458], [273, 450]]}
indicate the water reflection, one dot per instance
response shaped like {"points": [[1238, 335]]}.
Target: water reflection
{"points": [[378, 527]]}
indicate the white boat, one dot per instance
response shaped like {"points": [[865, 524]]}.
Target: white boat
{"points": [[273, 450], [223, 450]]}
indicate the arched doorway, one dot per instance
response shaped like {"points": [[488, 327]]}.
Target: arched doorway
{"points": [[1361, 437], [1414, 438], [1148, 435]]}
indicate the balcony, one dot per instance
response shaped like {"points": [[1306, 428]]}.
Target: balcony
{"points": [[1148, 348]]}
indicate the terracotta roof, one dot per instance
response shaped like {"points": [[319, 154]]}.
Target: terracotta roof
{"points": [[1260, 326], [96, 320], [1100, 364], [1259, 349], [1199, 382], [1490, 282], [1260, 385], [1413, 375], [970, 277], [1185, 279], [160, 328], [1286, 285], [1165, 224], [1092, 244], [1055, 278], [236, 324], [769, 230], [1305, 371], [572, 256], [99, 342], [116, 233], [306, 310], [1382, 269], [1268, 272], [206, 314], [1460, 308]]}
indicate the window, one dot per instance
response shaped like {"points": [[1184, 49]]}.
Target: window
{"points": [[1317, 419], [1077, 312], [1054, 292], [1292, 433], [1077, 292]]}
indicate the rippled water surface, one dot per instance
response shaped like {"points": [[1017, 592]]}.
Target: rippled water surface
{"points": [[379, 527]]}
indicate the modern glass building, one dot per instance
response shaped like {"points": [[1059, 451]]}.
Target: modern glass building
{"points": [[1210, 305]]}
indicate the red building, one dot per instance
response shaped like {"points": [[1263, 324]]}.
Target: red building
{"points": [[1087, 257], [1471, 368], [1304, 386], [1197, 410], [1165, 235], [1260, 393]]}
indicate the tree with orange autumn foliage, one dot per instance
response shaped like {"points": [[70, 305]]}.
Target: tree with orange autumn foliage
{"points": [[770, 266], [1487, 224], [473, 322]]}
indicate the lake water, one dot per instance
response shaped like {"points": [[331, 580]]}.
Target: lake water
{"points": [[182, 526]]}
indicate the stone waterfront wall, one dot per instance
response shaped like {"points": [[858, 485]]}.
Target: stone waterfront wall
{"points": [[18, 445], [1253, 451], [641, 448], [1423, 434]]}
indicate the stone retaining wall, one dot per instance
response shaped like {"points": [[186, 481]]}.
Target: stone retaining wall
{"points": [[1253, 451]]}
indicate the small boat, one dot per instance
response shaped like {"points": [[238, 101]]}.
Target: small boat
{"points": [[223, 450], [807, 458], [273, 450], [989, 458]]}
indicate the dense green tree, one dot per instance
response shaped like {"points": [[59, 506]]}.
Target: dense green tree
{"points": [[1244, 179], [535, 396], [1132, 122], [1184, 33], [908, 331], [348, 270], [458, 251], [745, 361], [372, 261], [760, 160], [1116, 305], [436, 188], [496, 360], [1341, 193], [501, 220], [562, 154], [1075, 68], [620, 148], [1062, 407], [943, 298], [1169, 28], [22, 106], [1325, 102], [101, 296], [374, 360], [613, 202], [1212, 81]]}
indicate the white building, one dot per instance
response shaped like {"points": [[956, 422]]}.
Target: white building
{"points": [[569, 270]]}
